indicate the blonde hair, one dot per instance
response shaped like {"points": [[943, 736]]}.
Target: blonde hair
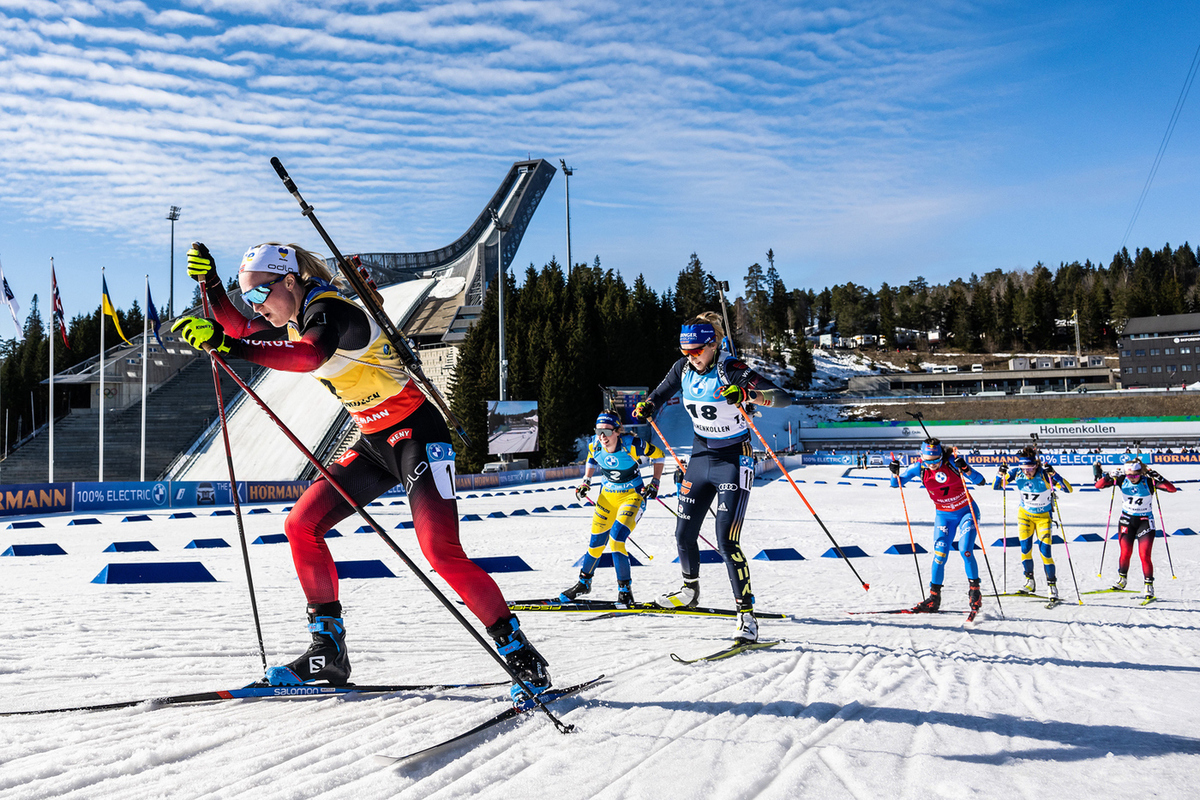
{"points": [[712, 318], [311, 265]]}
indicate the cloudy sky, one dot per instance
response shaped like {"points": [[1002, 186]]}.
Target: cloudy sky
{"points": [[869, 141]]}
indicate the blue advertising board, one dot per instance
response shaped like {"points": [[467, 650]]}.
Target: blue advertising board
{"points": [[191, 494], [121, 495]]}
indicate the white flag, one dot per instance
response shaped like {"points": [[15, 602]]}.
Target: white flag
{"points": [[14, 307]]}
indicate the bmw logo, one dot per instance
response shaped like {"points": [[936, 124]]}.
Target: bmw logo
{"points": [[160, 494]]}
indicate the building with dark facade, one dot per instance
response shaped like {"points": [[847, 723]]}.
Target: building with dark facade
{"points": [[1160, 351]]}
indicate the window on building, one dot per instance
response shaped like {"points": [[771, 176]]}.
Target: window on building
{"points": [[1183, 351], [1141, 370], [1124, 354], [1154, 351], [1129, 370], [1168, 351], [1156, 368], [1186, 368], [1139, 352], [1170, 367]]}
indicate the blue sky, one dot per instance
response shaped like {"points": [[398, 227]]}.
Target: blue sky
{"points": [[867, 141]]}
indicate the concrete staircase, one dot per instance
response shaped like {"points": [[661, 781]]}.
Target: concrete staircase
{"points": [[176, 413]]}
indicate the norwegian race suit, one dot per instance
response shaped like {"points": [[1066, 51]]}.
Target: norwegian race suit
{"points": [[721, 465], [403, 439], [620, 504], [1035, 513], [1137, 517], [954, 520]]}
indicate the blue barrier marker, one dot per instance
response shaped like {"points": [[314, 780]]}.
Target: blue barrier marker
{"points": [[405, 524], [271, 538], [396, 503], [502, 564], [374, 503], [469, 497], [845, 483], [84, 521], [182, 515], [172, 572], [131, 547], [870, 484], [470, 518], [558, 508], [779, 554], [706, 557], [136, 518], [904, 549], [606, 561], [223, 512], [364, 529], [1089, 537], [496, 515], [286, 509], [520, 512], [851, 551], [30, 524], [332, 533], [34, 550], [486, 494], [1184, 532], [541, 510], [259, 511], [205, 544], [363, 569], [574, 505], [1013, 541], [819, 481]]}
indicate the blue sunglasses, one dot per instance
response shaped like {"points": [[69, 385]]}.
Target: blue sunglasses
{"points": [[258, 294]]}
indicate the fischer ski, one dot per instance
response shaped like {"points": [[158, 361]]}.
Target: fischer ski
{"points": [[1025, 594], [547, 697], [613, 609], [742, 647], [1113, 590], [1148, 600], [254, 691], [901, 611]]}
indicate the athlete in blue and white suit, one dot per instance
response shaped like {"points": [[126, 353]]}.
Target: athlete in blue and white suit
{"points": [[713, 384]]}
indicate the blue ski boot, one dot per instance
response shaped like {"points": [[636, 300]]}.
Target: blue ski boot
{"points": [[326, 658], [583, 587], [523, 659]]}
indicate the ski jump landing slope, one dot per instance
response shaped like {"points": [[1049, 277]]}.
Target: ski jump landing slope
{"points": [[260, 450]]}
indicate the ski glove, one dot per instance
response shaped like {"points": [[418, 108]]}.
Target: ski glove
{"points": [[650, 490], [581, 491], [644, 410], [200, 262], [733, 394], [962, 465], [203, 334], [894, 467]]}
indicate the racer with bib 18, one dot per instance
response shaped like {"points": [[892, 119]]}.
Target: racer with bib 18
{"points": [[714, 384], [303, 324]]}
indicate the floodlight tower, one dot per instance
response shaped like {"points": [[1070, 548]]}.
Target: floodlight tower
{"points": [[172, 215], [568, 172]]}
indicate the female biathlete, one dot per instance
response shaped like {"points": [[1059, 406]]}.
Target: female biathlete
{"points": [[713, 384], [942, 473], [1137, 485], [1035, 483], [305, 325], [619, 505]]}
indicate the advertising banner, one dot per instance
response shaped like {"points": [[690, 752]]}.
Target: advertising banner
{"points": [[1048, 430], [272, 491], [35, 498], [121, 495], [193, 494]]}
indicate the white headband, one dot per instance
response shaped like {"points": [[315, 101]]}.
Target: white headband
{"points": [[270, 258]]}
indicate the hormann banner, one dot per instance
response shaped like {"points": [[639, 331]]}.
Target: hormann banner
{"points": [[35, 498], [1047, 430]]}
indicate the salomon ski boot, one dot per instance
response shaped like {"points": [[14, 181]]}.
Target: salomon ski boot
{"points": [[1120, 584], [326, 658], [685, 597], [583, 587], [523, 659], [974, 595], [930, 604], [747, 627], [1030, 586], [1149, 588], [625, 593], [1053, 590]]}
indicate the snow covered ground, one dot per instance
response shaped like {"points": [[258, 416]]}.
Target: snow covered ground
{"points": [[1075, 701]]}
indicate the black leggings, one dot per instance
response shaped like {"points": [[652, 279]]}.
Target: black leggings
{"points": [[726, 474]]}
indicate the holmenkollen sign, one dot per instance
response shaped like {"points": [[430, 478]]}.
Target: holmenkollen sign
{"points": [[1048, 429]]}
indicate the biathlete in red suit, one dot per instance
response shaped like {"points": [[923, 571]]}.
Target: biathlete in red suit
{"points": [[305, 325], [1138, 485]]}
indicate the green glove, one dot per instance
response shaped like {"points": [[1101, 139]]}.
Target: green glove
{"points": [[203, 334], [644, 410], [733, 394], [200, 262]]}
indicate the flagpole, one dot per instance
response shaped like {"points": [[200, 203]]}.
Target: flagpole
{"points": [[101, 476], [53, 319], [145, 369]]}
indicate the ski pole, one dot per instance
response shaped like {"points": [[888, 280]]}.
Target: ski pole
{"points": [[1104, 547], [912, 542], [1004, 504], [979, 536], [366, 295], [1166, 537], [676, 516], [233, 490], [678, 461], [866, 586], [391, 543], [1067, 547], [630, 539]]}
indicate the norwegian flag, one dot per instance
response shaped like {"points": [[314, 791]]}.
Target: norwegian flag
{"points": [[59, 317]]}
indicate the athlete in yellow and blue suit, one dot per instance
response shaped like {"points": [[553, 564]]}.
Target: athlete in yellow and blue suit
{"points": [[1035, 483], [620, 504]]}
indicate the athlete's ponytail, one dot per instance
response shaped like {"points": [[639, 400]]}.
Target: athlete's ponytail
{"points": [[710, 318]]}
